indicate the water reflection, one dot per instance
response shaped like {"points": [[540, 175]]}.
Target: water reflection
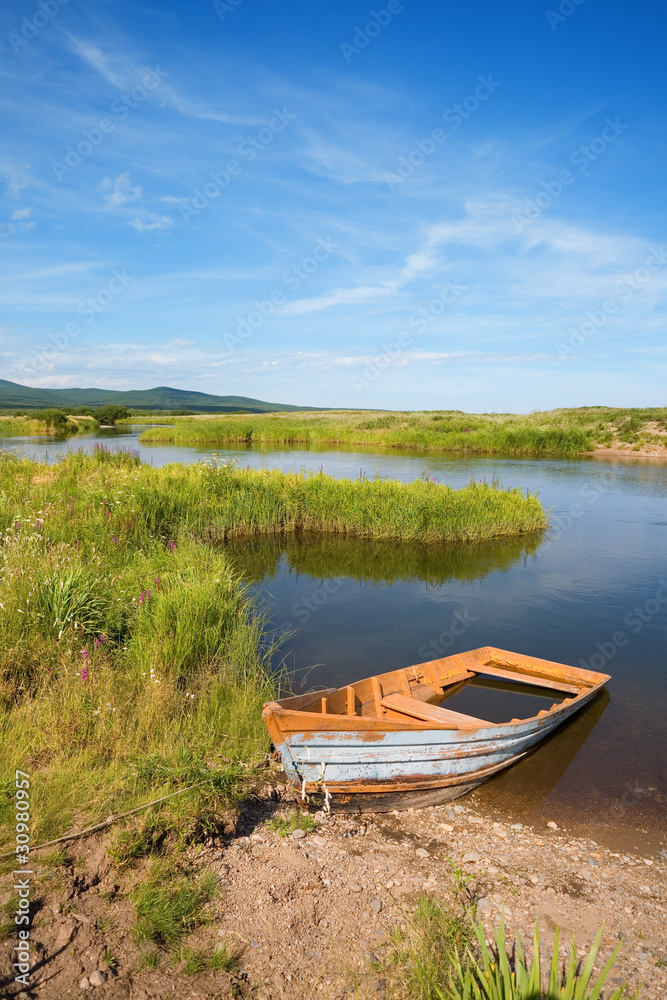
{"points": [[378, 561], [523, 788]]}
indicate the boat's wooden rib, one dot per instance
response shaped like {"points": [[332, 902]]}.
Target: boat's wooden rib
{"points": [[365, 743], [510, 675], [432, 713]]}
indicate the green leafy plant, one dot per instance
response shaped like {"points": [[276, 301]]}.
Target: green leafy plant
{"points": [[71, 602], [495, 975]]}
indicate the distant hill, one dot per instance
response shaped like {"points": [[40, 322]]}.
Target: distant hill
{"points": [[15, 396]]}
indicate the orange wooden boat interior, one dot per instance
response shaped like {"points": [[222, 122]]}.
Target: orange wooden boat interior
{"points": [[384, 741]]}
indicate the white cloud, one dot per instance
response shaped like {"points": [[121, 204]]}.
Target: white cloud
{"points": [[150, 222], [120, 190]]}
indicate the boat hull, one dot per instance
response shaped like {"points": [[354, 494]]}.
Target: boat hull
{"points": [[378, 771], [385, 740]]}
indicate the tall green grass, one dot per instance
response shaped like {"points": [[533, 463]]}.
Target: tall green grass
{"points": [[224, 502], [564, 432], [132, 663], [35, 423]]}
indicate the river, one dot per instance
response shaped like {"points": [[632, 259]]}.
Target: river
{"points": [[592, 591]]}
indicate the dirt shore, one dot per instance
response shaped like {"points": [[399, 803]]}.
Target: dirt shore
{"points": [[312, 914]]}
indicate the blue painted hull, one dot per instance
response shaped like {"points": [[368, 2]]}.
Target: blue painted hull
{"points": [[340, 762], [384, 737]]}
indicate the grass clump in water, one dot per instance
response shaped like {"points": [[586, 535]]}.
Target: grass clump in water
{"points": [[562, 432]]}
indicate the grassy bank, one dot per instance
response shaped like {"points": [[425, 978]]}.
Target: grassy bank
{"points": [[45, 423], [131, 661], [556, 432]]}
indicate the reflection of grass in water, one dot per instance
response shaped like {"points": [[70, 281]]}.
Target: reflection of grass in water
{"points": [[378, 561]]}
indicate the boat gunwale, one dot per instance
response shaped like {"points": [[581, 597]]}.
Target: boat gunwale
{"points": [[308, 722]]}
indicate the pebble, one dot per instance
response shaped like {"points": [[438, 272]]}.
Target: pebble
{"points": [[458, 810], [476, 820], [97, 978], [377, 905], [298, 834], [447, 828], [646, 889], [552, 825], [534, 879], [83, 983], [471, 857], [318, 841], [516, 826], [354, 887], [484, 906], [421, 852]]}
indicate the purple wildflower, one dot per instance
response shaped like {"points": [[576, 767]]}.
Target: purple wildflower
{"points": [[86, 655], [172, 546], [84, 674], [141, 597], [38, 525], [148, 595], [103, 638], [115, 540]]}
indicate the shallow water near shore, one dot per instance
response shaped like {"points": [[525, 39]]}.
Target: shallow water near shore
{"points": [[592, 591]]}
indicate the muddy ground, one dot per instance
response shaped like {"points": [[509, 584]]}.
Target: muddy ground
{"points": [[312, 914]]}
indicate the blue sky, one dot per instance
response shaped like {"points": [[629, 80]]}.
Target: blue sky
{"points": [[409, 205]]}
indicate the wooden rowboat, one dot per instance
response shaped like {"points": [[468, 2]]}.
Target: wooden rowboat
{"points": [[385, 742]]}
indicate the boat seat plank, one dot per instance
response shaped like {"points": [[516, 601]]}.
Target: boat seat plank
{"points": [[520, 678], [431, 713]]}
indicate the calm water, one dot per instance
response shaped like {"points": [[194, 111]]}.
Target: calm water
{"points": [[592, 591]]}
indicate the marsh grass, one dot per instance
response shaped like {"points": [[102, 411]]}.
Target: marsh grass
{"points": [[38, 423], [562, 432], [131, 664]]}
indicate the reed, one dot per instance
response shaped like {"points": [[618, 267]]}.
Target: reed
{"points": [[223, 502], [131, 664], [562, 432], [39, 423]]}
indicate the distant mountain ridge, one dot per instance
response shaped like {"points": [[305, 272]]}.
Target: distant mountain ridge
{"points": [[15, 396]]}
